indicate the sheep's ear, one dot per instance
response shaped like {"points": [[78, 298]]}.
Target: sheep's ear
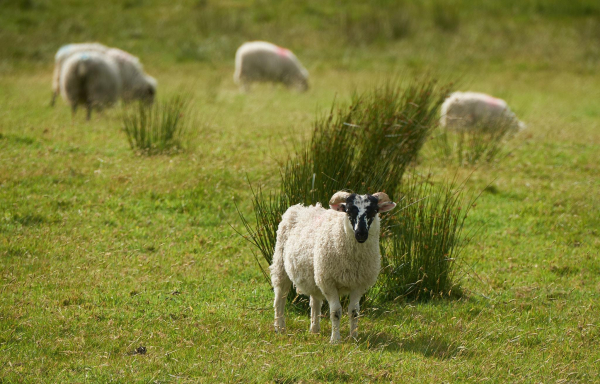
{"points": [[386, 206], [338, 207]]}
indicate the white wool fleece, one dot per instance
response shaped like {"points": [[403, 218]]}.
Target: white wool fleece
{"points": [[316, 250], [260, 61], [469, 110]]}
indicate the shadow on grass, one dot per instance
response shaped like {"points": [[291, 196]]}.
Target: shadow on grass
{"points": [[423, 343]]}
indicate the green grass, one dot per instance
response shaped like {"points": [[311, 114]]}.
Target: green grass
{"points": [[472, 147], [103, 251]]}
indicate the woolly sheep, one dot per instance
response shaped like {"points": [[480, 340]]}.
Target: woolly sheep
{"points": [[472, 110], [326, 253], [63, 53], [136, 85], [262, 61], [90, 78]]}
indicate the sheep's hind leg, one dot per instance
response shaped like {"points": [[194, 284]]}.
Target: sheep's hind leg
{"points": [[315, 313], [353, 312], [281, 292], [89, 111], [335, 309]]}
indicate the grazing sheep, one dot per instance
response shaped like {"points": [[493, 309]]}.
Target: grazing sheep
{"points": [[472, 110], [63, 53], [326, 253], [90, 78], [136, 85], [262, 61]]}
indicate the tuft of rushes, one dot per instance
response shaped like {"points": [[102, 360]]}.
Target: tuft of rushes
{"points": [[422, 242], [159, 128], [364, 147]]}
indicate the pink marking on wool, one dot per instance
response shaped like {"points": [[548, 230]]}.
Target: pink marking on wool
{"points": [[492, 101], [283, 52]]}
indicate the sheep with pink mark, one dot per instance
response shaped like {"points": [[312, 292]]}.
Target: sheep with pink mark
{"points": [[259, 61], [468, 111], [326, 253]]}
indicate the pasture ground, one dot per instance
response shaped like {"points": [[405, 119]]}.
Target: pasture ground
{"points": [[103, 250]]}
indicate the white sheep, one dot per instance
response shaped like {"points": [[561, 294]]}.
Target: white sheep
{"points": [[266, 62], [472, 110], [63, 53], [326, 253], [136, 85], [90, 78]]}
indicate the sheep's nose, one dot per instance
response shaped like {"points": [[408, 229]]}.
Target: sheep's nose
{"points": [[361, 237]]}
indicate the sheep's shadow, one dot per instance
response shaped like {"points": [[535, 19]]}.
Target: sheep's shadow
{"points": [[425, 344]]}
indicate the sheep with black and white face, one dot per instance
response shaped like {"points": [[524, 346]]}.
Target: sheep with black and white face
{"points": [[328, 253]]}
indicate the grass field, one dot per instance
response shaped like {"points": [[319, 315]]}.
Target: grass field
{"points": [[103, 250]]}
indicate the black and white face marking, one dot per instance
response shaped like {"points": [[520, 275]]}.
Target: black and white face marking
{"points": [[361, 211]]}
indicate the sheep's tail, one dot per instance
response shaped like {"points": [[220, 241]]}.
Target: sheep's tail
{"points": [[278, 274], [82, 77], [277, 267], [82, 67]]}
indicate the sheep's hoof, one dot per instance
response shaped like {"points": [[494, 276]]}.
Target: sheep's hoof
{"points": [[335, 340], [315, 330]]}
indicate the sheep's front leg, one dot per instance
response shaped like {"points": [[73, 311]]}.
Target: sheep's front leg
{"points": [[335, 309], [281, 293], [353, 312], [315, 313]]}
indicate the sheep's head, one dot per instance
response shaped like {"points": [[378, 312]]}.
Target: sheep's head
{"points": [[146, 91], [361, 210]]}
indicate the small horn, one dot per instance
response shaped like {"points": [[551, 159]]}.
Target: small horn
{"points": [[382, 197], [337, 200]]}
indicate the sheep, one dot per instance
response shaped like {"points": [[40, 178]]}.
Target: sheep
{"points": [[136, 85], [326, 253], [262, 61], [472, 110], [90, 78], [63, 53]]}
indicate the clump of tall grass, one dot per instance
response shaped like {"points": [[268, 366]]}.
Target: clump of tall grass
{"points": [[364, 147], [160, 128], [480, 144], [421, 243]]}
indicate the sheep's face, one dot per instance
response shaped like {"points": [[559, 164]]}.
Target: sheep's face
{"points": [[146, 94], [361, 211], [303, 85]]}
